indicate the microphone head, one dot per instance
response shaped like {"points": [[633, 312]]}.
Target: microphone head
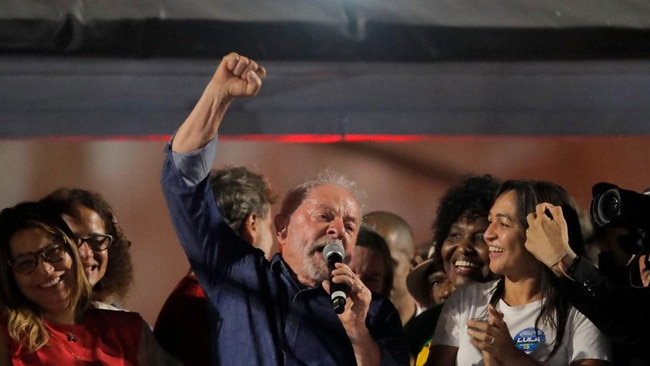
{"points": [[334, 248]]}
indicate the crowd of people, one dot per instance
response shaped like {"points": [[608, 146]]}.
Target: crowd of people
{"points": [[507, 279]]}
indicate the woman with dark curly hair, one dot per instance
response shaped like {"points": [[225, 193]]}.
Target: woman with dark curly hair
{"points": [[103, 247], [460, 255], [458, 230]]}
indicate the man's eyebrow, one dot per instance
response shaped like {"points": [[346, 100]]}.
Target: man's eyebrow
{"points": [[356, 219]]}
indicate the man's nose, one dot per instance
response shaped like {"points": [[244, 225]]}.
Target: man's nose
{"points": [[336, 228], [448, 289]]}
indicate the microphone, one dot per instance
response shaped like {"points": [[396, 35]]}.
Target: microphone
{"points": [[334, 253]]}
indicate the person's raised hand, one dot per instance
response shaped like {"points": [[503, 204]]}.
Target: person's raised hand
{"points": [[547, 236], [237, 76]]}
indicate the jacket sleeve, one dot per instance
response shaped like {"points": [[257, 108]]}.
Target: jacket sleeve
{"points": [[211, 246], [617, 310], [386, 329]]}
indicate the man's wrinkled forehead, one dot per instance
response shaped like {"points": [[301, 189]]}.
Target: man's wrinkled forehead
{"points": [[333, 198]]}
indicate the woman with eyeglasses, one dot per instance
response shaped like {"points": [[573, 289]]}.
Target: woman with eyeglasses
{"points": [[46, 316], [103, 247]]}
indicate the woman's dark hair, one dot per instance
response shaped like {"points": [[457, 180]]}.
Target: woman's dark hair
{"points": [[529, 193], [472, 198], [119, 270]]}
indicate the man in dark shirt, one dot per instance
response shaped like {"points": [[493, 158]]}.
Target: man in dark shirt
{"points": [[277, 312], [244, 199]]}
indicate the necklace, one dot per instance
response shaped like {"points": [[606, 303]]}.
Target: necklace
{"points": [[69, 335], [65, 346]]}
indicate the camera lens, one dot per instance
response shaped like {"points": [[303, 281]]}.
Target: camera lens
{"points": [[608, 207]]}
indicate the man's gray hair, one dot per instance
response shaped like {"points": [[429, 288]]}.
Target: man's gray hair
{"points": [[297, 194]]}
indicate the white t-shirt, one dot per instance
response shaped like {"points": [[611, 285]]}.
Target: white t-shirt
{"points": [[581, 340]]}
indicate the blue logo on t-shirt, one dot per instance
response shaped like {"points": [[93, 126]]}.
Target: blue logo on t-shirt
{"points": [[528, 339]]}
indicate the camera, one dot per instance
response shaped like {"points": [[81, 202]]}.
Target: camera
{"points": [[613, 207]]}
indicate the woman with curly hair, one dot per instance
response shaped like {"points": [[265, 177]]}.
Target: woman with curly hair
{"points": [[460, 255], [460, 250], [103, 247], [46, 316]]}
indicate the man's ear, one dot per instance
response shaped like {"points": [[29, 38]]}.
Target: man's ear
{"points": [[281, 222], [249, 227]]}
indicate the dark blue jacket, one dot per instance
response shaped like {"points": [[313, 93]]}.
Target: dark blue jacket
{"points": [[261, 314]]}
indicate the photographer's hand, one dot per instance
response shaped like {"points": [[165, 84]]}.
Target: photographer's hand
{"points": [[547, 236]]}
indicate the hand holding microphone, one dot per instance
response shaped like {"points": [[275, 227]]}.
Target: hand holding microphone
{"points": [[334, 253]]}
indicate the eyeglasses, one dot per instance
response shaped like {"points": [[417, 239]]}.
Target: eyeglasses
{"points": [[96, 242], [27, 263]]}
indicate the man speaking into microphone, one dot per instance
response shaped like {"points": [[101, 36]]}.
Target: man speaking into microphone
{"points": [[276, 312]]}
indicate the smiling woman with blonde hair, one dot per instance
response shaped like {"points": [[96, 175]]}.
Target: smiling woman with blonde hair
{"points": [[46, 315]]}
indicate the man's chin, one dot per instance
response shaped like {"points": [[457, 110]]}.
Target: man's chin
{"points": [[318, 271]]}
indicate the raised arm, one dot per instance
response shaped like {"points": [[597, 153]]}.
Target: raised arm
{"points": [[236, 76], [192, 208]]}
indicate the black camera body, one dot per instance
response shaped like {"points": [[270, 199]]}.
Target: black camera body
{"points": [[612, 206]]}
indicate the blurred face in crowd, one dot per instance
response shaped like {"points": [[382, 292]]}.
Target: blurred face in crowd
{"points": [[369, 265], [402, 265], [89, 223], [441, 286], [42, 268], [258, 231], [464, 252], [328, 213]]}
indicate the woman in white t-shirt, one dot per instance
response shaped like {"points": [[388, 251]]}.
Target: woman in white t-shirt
{"points": [[519, 319]]}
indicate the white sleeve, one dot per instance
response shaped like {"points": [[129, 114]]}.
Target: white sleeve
{"points": [[449, 325], [585, 340]]}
